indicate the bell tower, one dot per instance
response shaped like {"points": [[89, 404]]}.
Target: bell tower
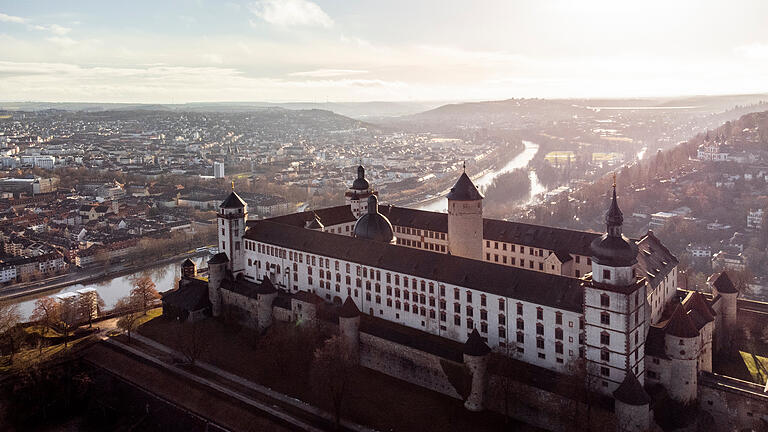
{"points": [[614, 307], [357, 194], [232, 216]]}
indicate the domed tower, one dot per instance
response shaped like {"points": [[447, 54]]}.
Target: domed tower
{"points": [[682, 345], [465, 219], [374, 225], [614, 307], [357, 195], [232, 216]]}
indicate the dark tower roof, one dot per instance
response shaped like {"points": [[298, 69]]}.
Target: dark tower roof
{"points": [[374, 225], [475, 346], [723, 284], [233, 201], [680, 324], [464, 190], [187, 263], [349, 309], [265, 287], [219, 258], [613, 248], [360, 182], [630, 391]]}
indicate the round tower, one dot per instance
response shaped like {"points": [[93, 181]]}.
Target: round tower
{"points": [[723, 287], [349, 328], [465, 219], [632, 405], [682, 345], [476, 359], [188, 269], [217, 271], [265, 296]]}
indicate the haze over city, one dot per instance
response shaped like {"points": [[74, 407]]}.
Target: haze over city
{"points": [[300, 50]]}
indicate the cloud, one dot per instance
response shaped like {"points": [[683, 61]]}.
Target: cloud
{"points": [[327, 73], [53, 28], [62, 41], [11, 19], [290, 13]]}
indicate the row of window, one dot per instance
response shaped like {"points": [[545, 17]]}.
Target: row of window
{"points": [[420, 245], [420, 233]]}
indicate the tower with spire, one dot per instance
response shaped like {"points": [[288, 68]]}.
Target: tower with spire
{"points": [[231, 219], [614, 307], [357, 194], [465, 219]]}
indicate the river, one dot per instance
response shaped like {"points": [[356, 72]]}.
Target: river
{"points": [[482, 182], [111, 290]]}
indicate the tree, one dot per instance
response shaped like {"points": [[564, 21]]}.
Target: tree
{"points": [[331, 374], [128, 307], [9, 320], [46, 313], [506, 367], [145, 292], [89, 305]]}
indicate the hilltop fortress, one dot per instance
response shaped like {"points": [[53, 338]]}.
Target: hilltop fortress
{"points": [[413, 290]]}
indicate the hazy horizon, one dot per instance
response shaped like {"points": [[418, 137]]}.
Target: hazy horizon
{"points": [[301, 51]]}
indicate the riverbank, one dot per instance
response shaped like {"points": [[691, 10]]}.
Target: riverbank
{"points": [[22, 293]]}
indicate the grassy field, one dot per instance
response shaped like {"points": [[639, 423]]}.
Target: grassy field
{"points": [[757, 366]]}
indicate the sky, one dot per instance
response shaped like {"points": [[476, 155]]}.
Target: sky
{"points": [[174, 51]]}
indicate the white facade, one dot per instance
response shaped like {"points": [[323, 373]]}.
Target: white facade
{"points": [[542, 335], [755, 219], [218, 170]]}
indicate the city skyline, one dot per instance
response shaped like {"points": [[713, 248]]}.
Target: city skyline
{"points": [[303, 51]]}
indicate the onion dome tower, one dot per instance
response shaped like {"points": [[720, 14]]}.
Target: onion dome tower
{"points": [[357, 194], [374, 225], [465, 219], [615, 307]]}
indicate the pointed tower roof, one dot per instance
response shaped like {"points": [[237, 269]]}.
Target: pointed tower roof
{"points": [[475, 346], [613, 248], [349, 309], [219, 258], [187, 263], [630, 391], [680, 324], [233, 201], [614, 216], [698, 310], [724, 285], [265, 287], [464, 190]]}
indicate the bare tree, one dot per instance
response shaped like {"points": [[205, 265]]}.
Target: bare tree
{"points": [[145, 291], [506, 368], [89, 305], [331, 374], [68, 319], [46, 313], [128, 307], [9, 320]]}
